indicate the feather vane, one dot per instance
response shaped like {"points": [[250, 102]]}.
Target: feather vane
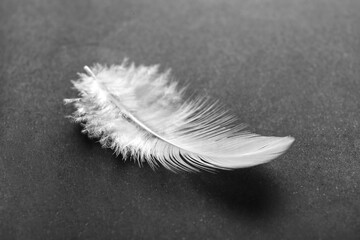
{"points": [[139, 112]]}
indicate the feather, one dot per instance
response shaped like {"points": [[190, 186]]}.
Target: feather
{"points": [[138, 112]]}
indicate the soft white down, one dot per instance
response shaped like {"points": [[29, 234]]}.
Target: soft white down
{"points": [[139, 112]]}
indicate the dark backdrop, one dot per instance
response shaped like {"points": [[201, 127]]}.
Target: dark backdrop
{"points": [[285, 67]]}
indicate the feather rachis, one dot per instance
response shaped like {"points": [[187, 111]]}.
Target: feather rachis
{"points": [[137, 112]]}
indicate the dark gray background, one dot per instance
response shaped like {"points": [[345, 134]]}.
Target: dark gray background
{"points": [[285, 67]]}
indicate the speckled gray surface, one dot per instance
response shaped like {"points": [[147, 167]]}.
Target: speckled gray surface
{"points": [[285, 67]]}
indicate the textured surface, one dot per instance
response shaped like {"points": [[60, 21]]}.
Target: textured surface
{"points": [[285, 67]]}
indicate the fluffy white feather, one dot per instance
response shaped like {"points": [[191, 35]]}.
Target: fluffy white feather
{"points": [[138, 111]]}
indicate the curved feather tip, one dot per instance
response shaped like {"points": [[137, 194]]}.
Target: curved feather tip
{"points": [[138, 112]]}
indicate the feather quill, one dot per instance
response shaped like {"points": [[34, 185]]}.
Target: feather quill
{"points": [[139, 112]]}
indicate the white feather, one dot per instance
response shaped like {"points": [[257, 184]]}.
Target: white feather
{"points": [[137, 111]]}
